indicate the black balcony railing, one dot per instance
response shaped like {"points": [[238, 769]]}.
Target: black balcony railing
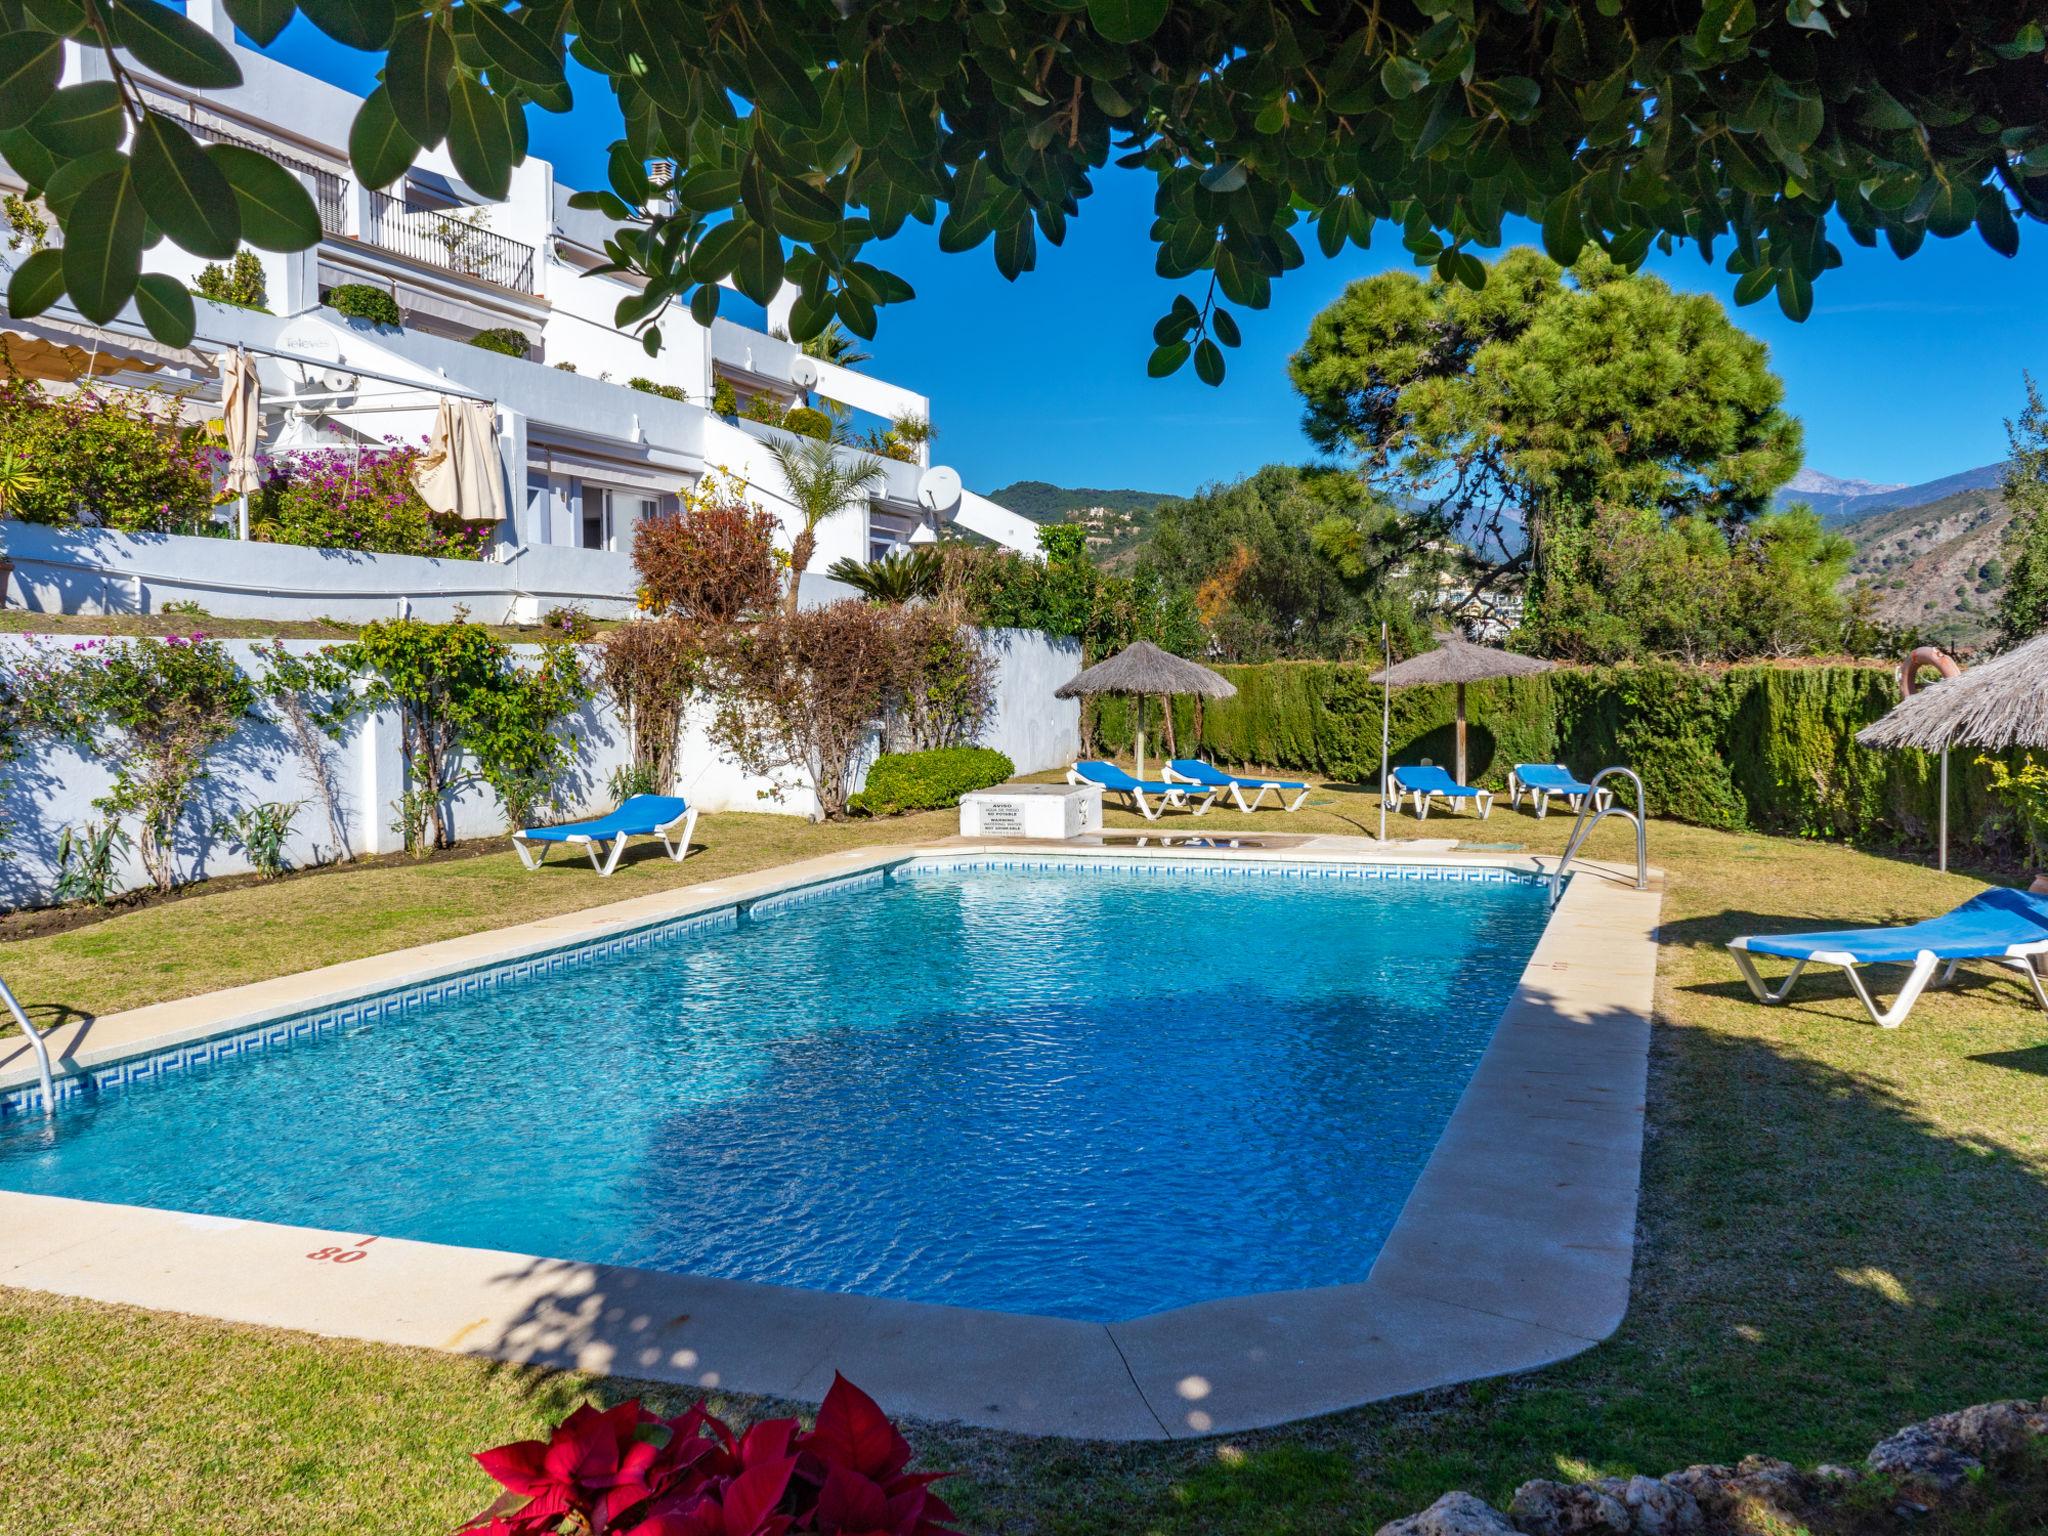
{"points": [[452, 238], [328, 186]]}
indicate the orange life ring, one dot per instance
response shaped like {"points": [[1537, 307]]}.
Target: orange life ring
{"points": [[1926, 656]]}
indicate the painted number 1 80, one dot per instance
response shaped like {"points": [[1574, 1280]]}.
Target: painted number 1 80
{"points": [[342, 1255]]}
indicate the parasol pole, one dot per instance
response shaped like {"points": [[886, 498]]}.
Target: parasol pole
{"points": [[1386, 722], [1942, 865], [1461, 733], [1140, 748]]}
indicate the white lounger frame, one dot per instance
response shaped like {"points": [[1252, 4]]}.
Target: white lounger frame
{"points": [[679, 849], [2018, 957], [1540, 798], [1236, 791], [1174, 797], [1422, 798]]}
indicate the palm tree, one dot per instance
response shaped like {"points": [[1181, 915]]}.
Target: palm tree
{"points": [[833, 345], [896, 578], [825, 476]]}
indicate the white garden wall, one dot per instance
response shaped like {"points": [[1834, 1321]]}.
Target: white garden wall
{"points": [[47, 789]]}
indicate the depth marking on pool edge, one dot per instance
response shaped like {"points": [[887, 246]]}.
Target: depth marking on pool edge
{"points": [[336, 1255]]}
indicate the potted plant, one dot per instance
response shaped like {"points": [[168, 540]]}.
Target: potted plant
{"points": [[16, 478]]}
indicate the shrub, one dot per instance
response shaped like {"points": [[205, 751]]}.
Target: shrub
{"points": [[692, 1474], [928, 781], [807, 688], [466, 710], [103, 456], [648, 668], [240, 284], [261, 831], [648, 386], [807, 422], [568, 623], [725, 400], [360, 499], [28, 221], [506, 340], [86, 862], [361, 301], [764, 408], [945, 684], [154, 711], [713, 559]]}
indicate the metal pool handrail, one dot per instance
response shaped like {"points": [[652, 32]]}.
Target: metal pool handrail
{"points": [[35, 1043], [1582, 829]]}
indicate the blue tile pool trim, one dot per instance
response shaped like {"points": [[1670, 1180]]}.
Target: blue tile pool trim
{"points": [[276, 1034]]}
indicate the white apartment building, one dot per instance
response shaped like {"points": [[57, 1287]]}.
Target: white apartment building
{"points": [[584, 455]]}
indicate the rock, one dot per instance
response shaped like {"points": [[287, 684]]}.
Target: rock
{"points": [[1940, 1454], [1544, 1508], [1836, 1478], [1709, 1484], [1455, 1514], [1656, 1507]]}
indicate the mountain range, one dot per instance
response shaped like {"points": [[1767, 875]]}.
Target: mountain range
{"points": [[1841, 502]]}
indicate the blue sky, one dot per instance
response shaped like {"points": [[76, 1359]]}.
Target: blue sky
{"points": [[1904, 371]]}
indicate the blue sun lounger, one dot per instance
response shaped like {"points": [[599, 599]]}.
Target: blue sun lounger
{"points": [[640, 816], [1543, 782], [2005, 926], [1427, 781], [1192, 770], [1116, 781]]}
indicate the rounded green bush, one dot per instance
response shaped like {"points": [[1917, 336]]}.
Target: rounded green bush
{"points": [[928, 781], [506, 340], [361, 301], [802, 419]]}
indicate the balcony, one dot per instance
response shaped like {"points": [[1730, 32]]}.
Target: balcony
{"points": [[328, 186], [450, 238]]}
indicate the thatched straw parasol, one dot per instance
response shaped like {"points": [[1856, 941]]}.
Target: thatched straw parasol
{"points": [[1141, 669], [1457, 660]]}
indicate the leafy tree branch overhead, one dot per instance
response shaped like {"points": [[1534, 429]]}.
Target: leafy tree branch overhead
{"points": [[809, 131]]}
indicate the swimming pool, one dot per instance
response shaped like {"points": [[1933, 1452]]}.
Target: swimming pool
{"points": [[1090, 1092]]}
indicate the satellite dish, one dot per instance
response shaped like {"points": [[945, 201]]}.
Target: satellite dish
{"points": [[938, 490], [313, 356], [805, 373]]}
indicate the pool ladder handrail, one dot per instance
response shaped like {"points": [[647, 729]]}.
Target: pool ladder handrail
{"points": [[35, 1043], [1582, 829]]}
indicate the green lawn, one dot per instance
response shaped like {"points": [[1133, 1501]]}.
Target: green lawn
{"points": [[1842, 1230]]}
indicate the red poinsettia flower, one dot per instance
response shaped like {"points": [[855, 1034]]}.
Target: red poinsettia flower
{"points": [[596, 1465]]}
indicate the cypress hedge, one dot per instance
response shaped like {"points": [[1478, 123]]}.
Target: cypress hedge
{"points": [[1762, 748]]}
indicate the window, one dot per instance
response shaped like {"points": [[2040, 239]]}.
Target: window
{"points": [[610, 514], [597, 517], [888, 532]]}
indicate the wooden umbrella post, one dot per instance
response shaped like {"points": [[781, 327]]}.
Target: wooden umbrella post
{"points": [[1461, 733]]}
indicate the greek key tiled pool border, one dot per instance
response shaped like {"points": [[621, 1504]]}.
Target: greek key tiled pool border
{"points": [[1514, 1248]]}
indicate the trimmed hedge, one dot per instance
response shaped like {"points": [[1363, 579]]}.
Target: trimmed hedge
{"points": [[1762, 748], [928, 781], [361, 301]]}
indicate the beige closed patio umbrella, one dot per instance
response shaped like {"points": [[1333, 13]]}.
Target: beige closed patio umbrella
{"points": [[1457, 660], [241, 417], [1141, 669], [460, 472]]}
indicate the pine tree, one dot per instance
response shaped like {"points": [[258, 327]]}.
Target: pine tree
{"points": [[2023, 602]]}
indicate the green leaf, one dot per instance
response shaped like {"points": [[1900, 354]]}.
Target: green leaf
{"points": [[1402, 77], [378, 146], [1995, 222], [1167, 359], [74, 176], [30, 159], [37, 284], [103, 245], [180, 50], [364, 24], [783, 85], [704, 304], [1226, 176], [708, 190], [718, 251], [1209, 362], [416, 79], [262, 19], [30, 65], [81, 119], [758, 271], [1754, 285], [166, 309], [1126, 21], [513, 44], [183, 192], [1017, 248], [808, 318], [857, 314], [479, 139], [1795, 293], [1564, 232], [278, 214], [1225, 328]]}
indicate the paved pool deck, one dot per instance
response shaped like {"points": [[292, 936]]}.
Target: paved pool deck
{"points": [[1513, 1250]]}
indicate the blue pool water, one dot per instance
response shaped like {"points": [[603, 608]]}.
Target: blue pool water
{"points": [[1083, 1094]]}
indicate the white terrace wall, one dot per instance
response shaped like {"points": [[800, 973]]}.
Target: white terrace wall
{"points": [[99, 571], [47, 789]]}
